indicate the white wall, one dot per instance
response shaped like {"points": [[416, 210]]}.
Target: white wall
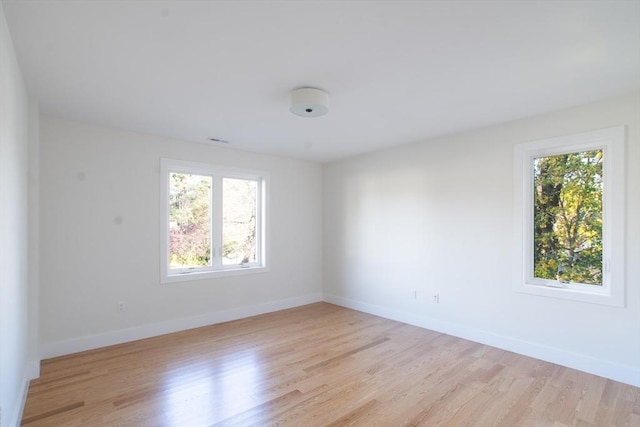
{"points": [[17, 336], [437, 217], [90, 175]]}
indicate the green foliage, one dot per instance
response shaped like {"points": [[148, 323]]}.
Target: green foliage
{"points": [[189, 219], [568, 217], [239, 221]]}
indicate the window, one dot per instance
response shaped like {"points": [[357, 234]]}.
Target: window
{"points": [[212, 221], [569, 217]]}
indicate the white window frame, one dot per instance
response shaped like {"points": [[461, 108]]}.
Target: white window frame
{"points": [[217, 173], [612, 291]]}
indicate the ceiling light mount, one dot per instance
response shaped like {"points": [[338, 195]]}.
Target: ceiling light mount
{"points": [[309, 102]]}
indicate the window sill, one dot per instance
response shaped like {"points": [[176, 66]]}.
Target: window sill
{"points": [[566, 292], [202, 275]]}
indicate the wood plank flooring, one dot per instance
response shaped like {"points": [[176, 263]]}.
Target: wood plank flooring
{"points": [[319, 365]]}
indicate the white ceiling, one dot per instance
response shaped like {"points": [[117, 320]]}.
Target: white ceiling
{"points": [[396, 71]]}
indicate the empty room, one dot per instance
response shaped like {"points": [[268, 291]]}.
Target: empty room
{"points": [[319, 213]]}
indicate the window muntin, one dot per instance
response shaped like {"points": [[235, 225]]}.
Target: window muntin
{"points": [[212, 221], [604, 150]]}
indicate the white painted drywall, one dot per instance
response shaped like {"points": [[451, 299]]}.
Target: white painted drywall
{"points": [[16, 342], [92, 177], [437, 217], [33, 239]]}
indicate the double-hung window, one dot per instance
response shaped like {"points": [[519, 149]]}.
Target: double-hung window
{"points": [[569, 217], [212, 221]]}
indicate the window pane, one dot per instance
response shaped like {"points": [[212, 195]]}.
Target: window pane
{"points": [[568, 217], [189, 220], [239, 211]]}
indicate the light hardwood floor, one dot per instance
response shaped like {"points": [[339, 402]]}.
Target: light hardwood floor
{"points": [[319, 365]]}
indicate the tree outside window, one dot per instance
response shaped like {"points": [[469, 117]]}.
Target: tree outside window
{"points": [[568, 217]]}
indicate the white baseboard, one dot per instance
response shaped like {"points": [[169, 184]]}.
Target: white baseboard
{"points": [[61, 348], [33, 369], [622, 373], [16, 417]]}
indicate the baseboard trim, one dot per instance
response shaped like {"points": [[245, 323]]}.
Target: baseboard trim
{"points": [[622, 373], [16, 418], [61, 348], [33, 369]]}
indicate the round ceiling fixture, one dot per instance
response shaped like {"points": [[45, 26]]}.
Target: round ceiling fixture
{"points": [[309, 102]]}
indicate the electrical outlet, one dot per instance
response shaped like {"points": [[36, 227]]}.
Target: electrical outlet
{"points": [[120, 307], [436, 299]]}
